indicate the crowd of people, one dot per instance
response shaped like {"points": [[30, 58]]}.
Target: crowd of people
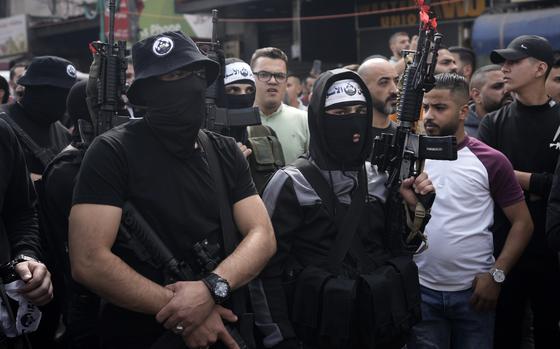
{"points": [[276, 229]]}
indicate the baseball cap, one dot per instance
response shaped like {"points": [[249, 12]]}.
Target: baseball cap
{"points": [[163, 53], [50, 71], [525, 46]]}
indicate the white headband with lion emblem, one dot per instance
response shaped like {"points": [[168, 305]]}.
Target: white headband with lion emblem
{"points": [[238, 71], [342, 91]]}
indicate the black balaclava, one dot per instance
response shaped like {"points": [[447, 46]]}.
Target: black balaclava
{"points": [[79, 113], [239, 72], [44, 104], [330, 143], [175, 111]]}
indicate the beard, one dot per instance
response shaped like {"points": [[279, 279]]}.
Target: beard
{"points": [[441, 130], [386, 108], [491, 105]]}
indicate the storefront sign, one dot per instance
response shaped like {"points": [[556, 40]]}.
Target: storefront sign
{"points": [[13, 35]]}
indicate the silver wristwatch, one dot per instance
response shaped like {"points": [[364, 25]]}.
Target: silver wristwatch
{"points": [[498, 275]]}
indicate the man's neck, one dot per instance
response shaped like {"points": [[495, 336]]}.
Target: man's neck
{"points": [[380, 120], [460, 135], [533, 94], [480, 111], [268, 111]]}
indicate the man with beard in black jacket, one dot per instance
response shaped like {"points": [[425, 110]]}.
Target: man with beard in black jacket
{"points": [[35, 117], [329, 212], [162, 164]]}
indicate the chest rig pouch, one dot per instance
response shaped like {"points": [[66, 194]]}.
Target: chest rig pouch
{"points": [[266, 157], [338, 308]]}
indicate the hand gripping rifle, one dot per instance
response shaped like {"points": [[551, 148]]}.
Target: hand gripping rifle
{"points": [[111, 83], [228, 122], [403, 154], [138, 235]]}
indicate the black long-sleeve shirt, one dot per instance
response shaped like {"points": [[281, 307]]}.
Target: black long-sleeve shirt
{"points": [[526, 135], [19, 228]]}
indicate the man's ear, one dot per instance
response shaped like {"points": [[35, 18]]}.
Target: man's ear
{"points": [[475, 95], [467, 70], [541, 69], [463, 112]]}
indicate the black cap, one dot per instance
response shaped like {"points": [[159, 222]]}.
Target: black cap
{"points": [[49, 71], [163, 53], [525, 46]]}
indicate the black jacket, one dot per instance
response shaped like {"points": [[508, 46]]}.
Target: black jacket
{"points": [[19, 229], [54, 136]]}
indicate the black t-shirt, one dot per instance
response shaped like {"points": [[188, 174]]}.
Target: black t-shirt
{"points": [[526, 135], [177, 198], [54, 136], [19, 230]]}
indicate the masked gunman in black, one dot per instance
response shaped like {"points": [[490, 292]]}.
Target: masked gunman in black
{"points": [[161, 164], [36, 115], [335, 282]]}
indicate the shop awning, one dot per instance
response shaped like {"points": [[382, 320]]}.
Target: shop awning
{"points": [[497, 30]]}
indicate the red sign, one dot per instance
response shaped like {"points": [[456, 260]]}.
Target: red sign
{"points": [[121, 21]]}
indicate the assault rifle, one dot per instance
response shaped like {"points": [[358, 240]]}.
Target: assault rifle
{"points": [[138, 235], [228, 122], [402, 155], [111, 83]]}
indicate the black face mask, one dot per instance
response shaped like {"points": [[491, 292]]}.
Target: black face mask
{"points": [[44, 104], [240, 101], [339, 134], [175, 110]]}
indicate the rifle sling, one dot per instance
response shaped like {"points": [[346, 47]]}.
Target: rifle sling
{"points": [[44, 155], [229, 231]]}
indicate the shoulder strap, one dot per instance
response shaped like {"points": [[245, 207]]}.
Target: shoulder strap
{"points": [[348, 225], [229, 232], [44, 155], [319, 184]]}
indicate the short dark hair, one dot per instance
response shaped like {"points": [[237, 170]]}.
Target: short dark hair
{"points": [[556, 63], [465, 54], [479, 76], [14, 67], [269, 52], [4, 86], [455, 83], [394, 37], [233, 60]]}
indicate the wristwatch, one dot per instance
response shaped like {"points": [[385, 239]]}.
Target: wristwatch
{"points": [[23, 258], [218, 287], [498, 275]]}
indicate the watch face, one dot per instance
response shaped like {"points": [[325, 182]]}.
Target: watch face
{"points": [[499, 276], [221, 289]]}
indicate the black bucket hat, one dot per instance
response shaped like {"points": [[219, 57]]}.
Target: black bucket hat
{"points": [[49, 71], [163, 53], [525, 46]]}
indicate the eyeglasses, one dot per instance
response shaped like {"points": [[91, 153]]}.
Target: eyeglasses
{"points": [[265, 76]]}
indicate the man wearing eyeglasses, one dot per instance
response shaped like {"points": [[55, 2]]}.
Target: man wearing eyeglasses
{"points": [[270, 67]]}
